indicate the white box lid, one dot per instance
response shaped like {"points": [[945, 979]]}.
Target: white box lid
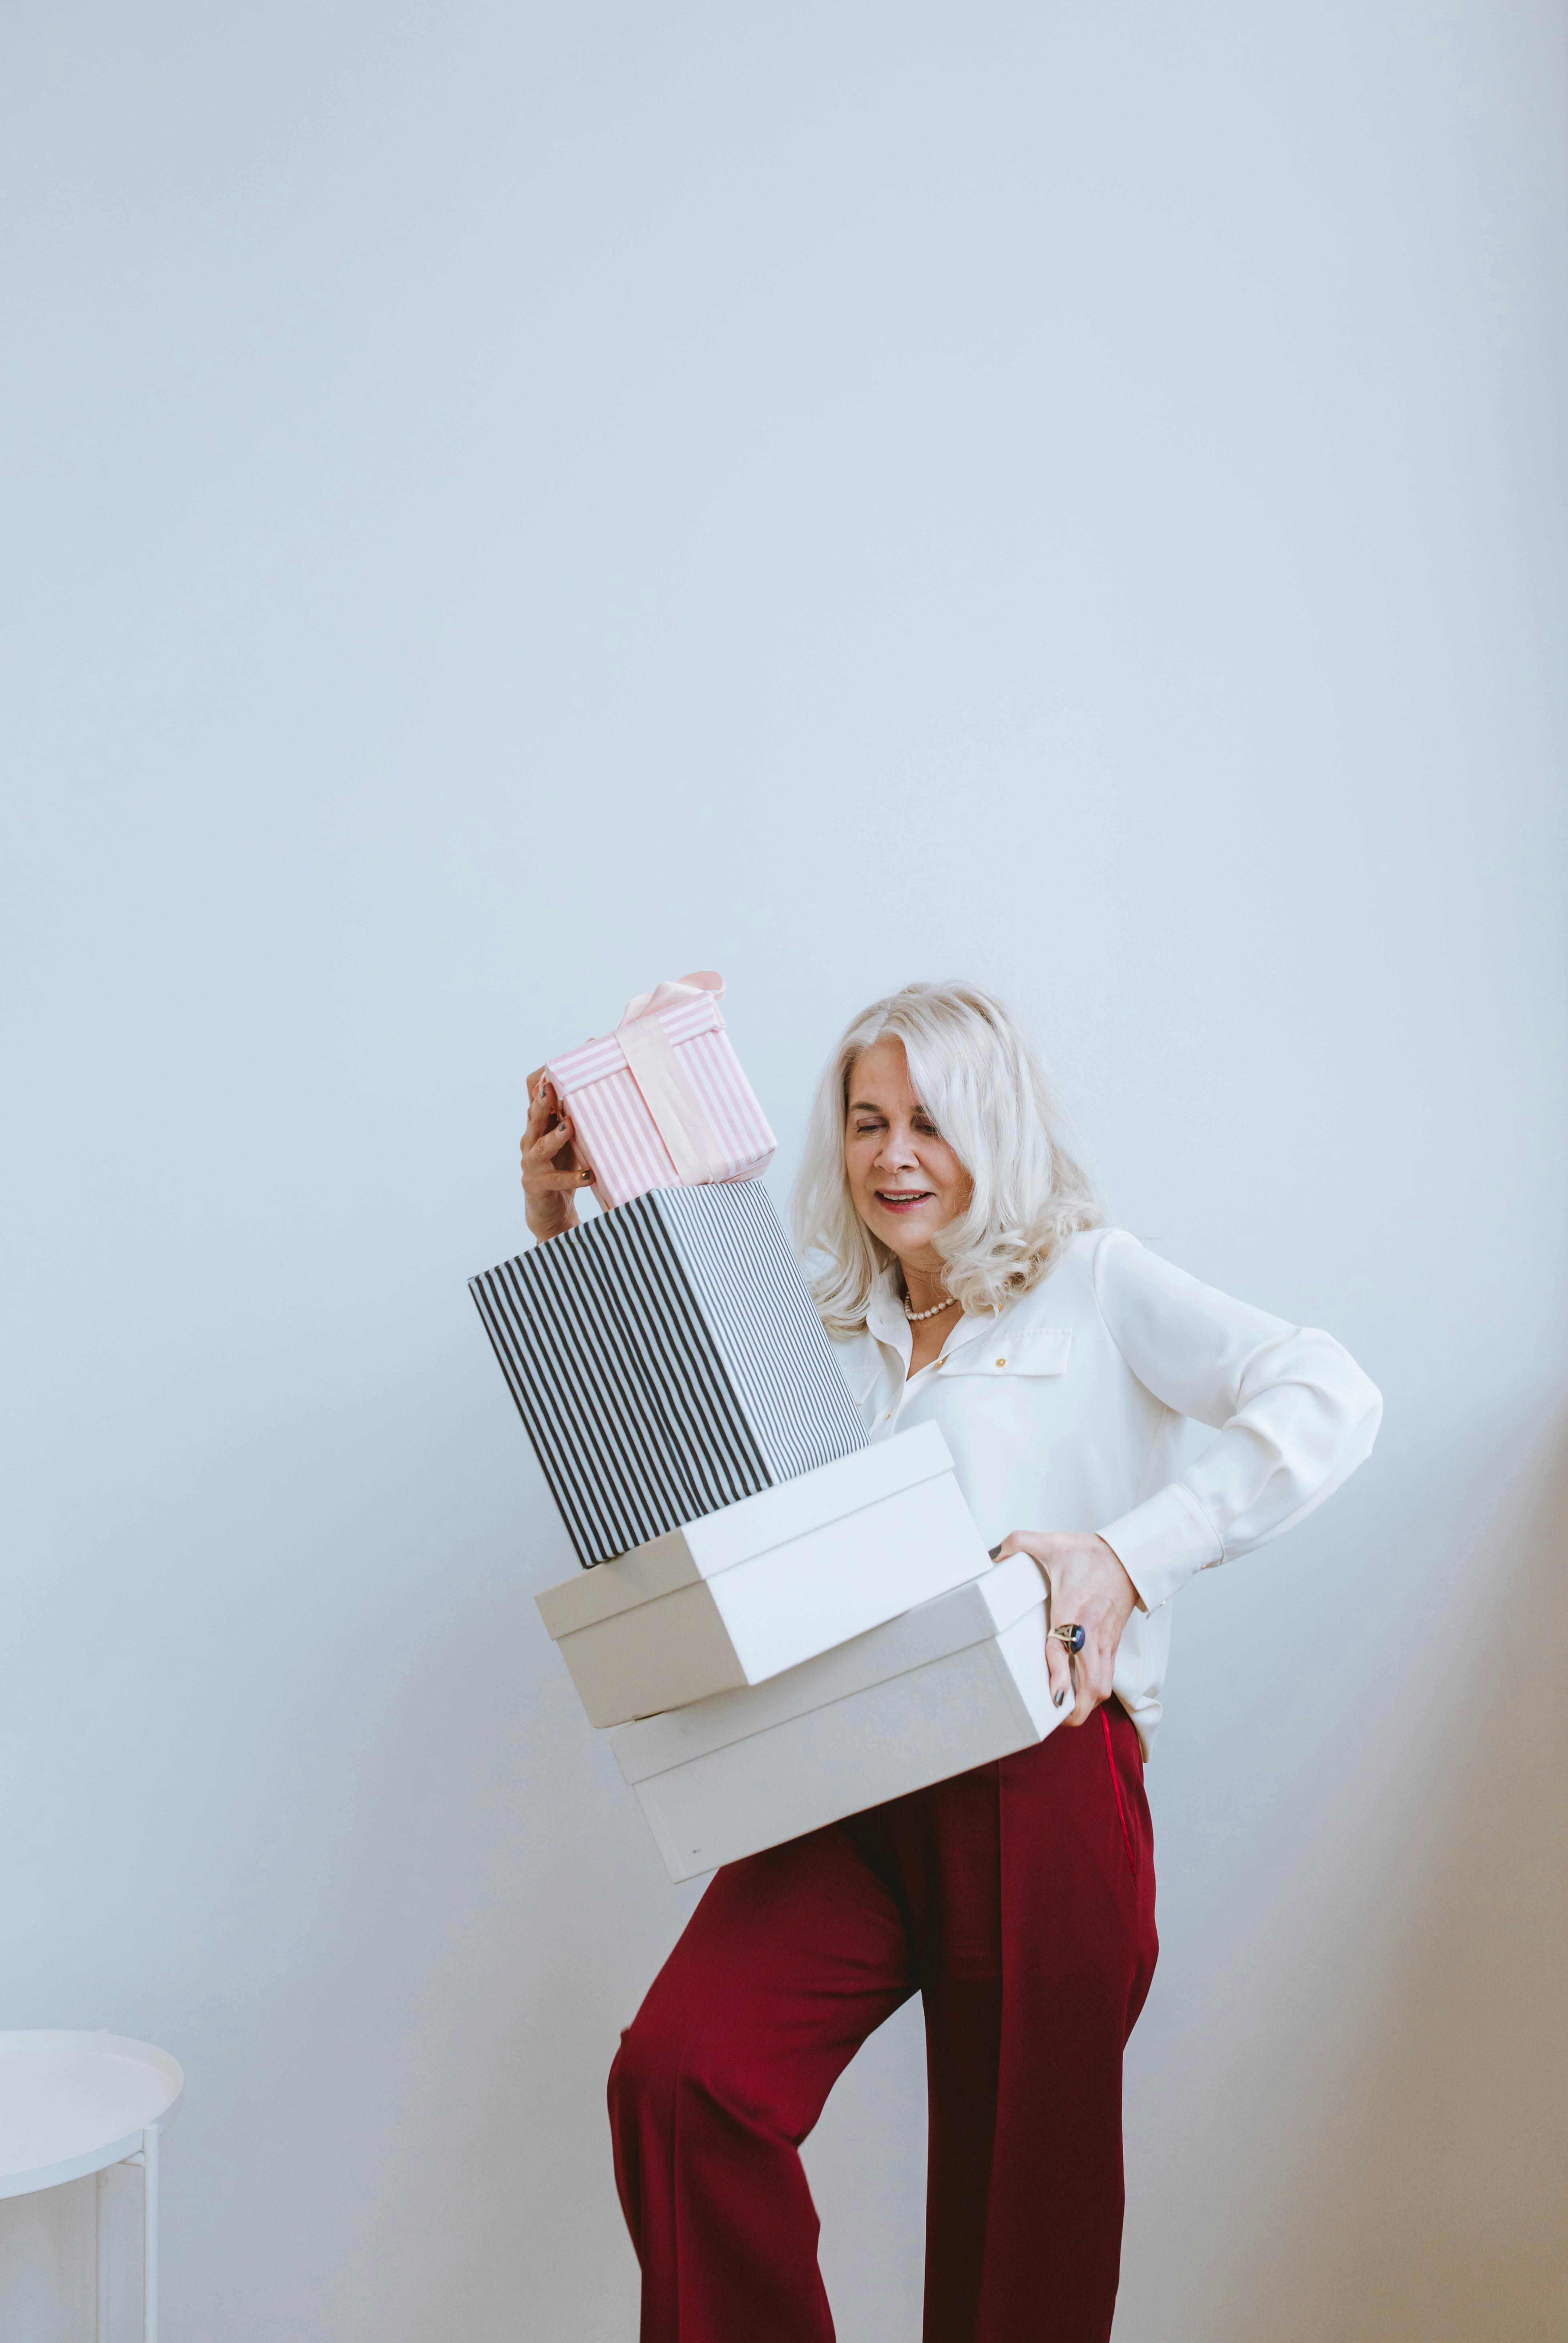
{"points": [[753, 1526], [970, 1614]]}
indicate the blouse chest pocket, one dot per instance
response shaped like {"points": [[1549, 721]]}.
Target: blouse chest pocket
{"points": [[1034, 1351]]}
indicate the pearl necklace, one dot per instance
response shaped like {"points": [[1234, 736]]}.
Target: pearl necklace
{"points": [[914, 1316]]}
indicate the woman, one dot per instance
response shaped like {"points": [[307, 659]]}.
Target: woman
{"points": [[958, 1261]]}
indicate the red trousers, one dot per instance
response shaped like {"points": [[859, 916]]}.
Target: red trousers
{"points": [[1019, 1900]]}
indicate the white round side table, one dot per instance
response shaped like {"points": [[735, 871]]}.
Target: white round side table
{"points": [[71, 2104]]}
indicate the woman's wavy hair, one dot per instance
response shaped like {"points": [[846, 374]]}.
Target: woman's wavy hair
{"points": [[981, 1084]]}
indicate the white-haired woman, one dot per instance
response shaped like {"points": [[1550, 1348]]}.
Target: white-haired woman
{"points": [[958, 1261]]}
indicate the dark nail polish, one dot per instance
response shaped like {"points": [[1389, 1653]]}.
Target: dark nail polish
{"points": [[1057, 1697]]}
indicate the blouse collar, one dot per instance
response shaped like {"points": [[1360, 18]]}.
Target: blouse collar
{"points": [[885, 1319]]}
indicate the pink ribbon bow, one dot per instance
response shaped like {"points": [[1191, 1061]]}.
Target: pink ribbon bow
{"points": [[670, 994], [695, 1147]]}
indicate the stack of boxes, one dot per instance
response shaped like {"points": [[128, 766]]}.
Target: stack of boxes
{"points": [[786, 1624]]}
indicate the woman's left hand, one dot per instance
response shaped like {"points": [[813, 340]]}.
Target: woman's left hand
{"points": [[1089, 1589]]}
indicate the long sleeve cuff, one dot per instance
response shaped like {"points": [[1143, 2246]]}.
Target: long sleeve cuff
{"points": [[1163, 1542]]}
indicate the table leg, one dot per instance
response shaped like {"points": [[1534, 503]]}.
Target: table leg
{"points": [[101, 2330], [150, 2235]]}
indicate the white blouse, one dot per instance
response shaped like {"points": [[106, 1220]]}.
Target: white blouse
{"points": [[1064, 1411]]}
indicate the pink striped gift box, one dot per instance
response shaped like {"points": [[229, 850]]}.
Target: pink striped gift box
{"points": [[662, 1102]]}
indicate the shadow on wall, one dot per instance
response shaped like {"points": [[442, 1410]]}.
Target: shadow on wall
{"points": [[1419, 2194]]}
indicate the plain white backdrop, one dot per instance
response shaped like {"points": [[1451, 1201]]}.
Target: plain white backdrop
{"points": [[507, 503]]}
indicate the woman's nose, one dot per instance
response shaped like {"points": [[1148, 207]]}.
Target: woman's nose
{"points": [[896, 1150]]}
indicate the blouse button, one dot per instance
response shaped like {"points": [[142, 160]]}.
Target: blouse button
{"points": [[1001, 1363]]}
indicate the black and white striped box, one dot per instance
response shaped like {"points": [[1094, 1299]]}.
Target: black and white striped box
{"points": [[667, 1361]]}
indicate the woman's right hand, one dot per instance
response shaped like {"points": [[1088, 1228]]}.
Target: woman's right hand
{"points": [[551, 1172]]}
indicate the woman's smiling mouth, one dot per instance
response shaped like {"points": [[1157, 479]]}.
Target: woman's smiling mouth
{"points": [[902, 1200]]}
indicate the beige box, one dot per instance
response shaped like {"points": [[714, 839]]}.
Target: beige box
{"points": [[742, 1595], [954, 1683]]}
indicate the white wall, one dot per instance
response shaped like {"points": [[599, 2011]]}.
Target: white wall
{"points": [[506, 503]]}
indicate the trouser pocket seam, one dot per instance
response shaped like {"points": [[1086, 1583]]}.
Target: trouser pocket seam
{"points": [[1116, 1789]]}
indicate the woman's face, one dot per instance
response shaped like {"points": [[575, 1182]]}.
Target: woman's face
{"points": [[906, 1180]]}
